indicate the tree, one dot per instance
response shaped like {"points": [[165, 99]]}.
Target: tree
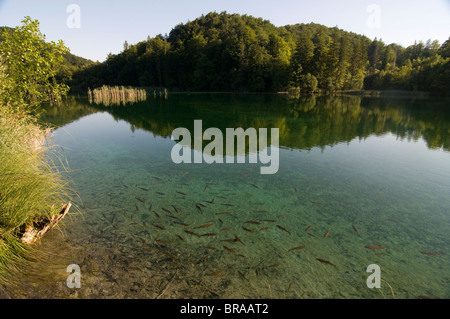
{"points": [[444, 50], [302, 57], [30, 65]]}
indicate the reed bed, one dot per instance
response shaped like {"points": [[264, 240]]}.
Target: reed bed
{"points": [[116, 95], [32, 186]]}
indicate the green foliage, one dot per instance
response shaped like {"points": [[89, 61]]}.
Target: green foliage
{"points": [[31, 186], [29, 65], [231, 52]]}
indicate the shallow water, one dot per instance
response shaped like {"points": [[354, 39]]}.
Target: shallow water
{"points": [[359, 171]]}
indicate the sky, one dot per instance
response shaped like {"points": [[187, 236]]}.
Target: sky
{"points": [[94, 28]]}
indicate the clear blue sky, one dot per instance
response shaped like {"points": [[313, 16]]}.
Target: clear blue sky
{"points": [[106, 24]]}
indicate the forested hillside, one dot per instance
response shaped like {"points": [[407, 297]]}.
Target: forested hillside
{"points": [[231, 52]]}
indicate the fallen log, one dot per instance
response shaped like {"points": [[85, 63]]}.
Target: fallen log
{"points": [[37, 229]]}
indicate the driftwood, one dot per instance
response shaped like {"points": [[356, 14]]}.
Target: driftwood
{"points": [[38, 229]]}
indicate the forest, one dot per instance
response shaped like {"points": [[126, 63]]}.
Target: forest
{"points": [[241, 53], [222, 52]]}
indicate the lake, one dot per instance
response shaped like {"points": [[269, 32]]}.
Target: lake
{"points": [[361, 181]]}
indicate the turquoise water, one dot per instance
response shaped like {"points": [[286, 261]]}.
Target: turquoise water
{"points": [[352, 173]]}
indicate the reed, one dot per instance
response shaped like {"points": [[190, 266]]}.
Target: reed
{"points": [[32, 186], [116, 95]]}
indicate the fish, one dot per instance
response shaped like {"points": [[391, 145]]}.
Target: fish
{"points": [[317, 203], [231, 240], [269, 220], [203, 226], [159, 193], [171, 216], [210, 247], [246, 229], [199, 208], [181, 215], [137, 207], [200, 204], [144, 189], [184, 194], [253, 222], [296, 190], [264, 228], [181, 238], [150, 208], [183, 224], [209, 234], [261, 211], [166, 210], [191, 233], [326, 234], [297, 248], [211, 202], [284, 229], [240, 255], [227, 229], [217, 273], [308, 228], [157, 178], [227, 204], [159, 227], [354, 228], [273, 266], [255, 186], [155, 183], [176, 209], [238, 239], [283, 215], [323, 261], [431, 253], [224, 213], [374, 247], [223, 197], [220, 221], [157, 215], [312, 235], [290, 286], [206, 187], [229, 249]]}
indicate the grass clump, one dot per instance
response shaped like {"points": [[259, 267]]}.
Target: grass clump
{"points": [[116, 95], [32, 187]]}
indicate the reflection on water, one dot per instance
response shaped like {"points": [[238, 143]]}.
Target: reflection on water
{"points": [[360, 182]]}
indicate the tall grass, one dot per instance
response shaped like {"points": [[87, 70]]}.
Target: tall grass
{"points": [[32, 188], [116, 95]]}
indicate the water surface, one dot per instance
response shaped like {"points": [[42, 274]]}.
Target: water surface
{"points": [[353, 173]]}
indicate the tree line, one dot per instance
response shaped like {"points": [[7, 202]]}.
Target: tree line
{"points": [[232, 52]]}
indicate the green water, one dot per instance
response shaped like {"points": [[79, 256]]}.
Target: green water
{"points": [[365, 172]]}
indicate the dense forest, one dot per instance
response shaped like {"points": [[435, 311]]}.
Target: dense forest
{"points": [[231, 52], [241, 53]]}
